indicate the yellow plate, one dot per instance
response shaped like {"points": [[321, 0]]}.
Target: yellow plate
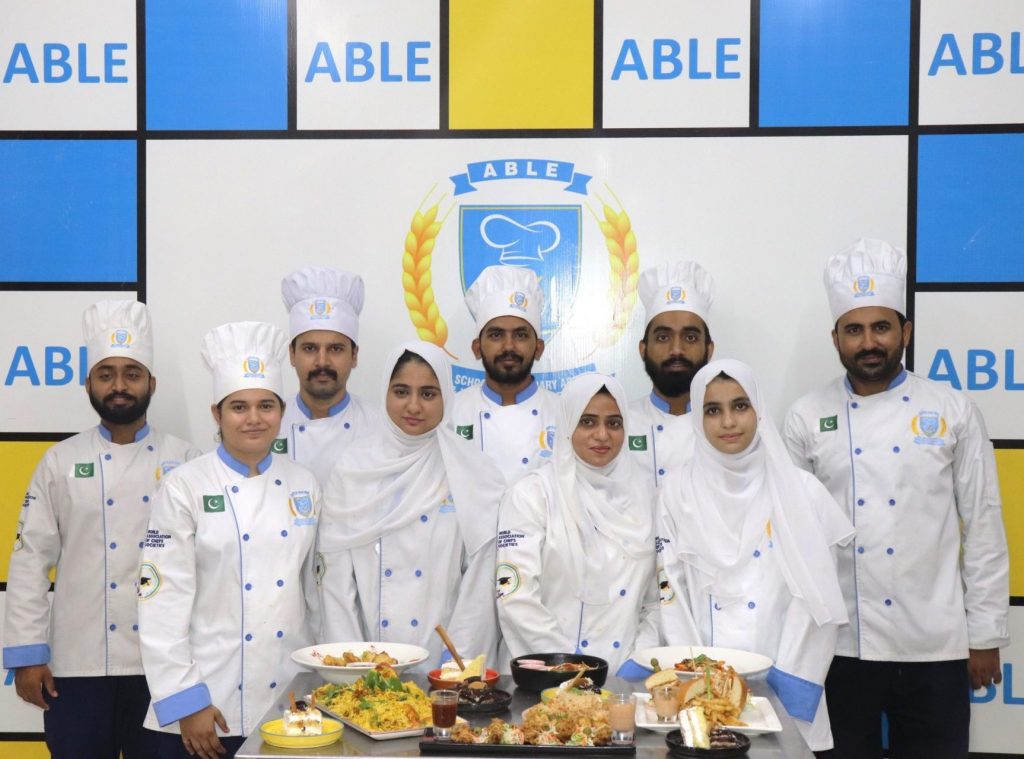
{"points": [[273, 733], [549, 693]]}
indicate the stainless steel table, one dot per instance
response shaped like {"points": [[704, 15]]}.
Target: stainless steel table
{"points": [[650, 745]]}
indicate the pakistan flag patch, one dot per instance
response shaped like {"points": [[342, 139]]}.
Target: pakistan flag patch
{"points": [[638, 442], [828, 424], [280, 445], [85, 470], [213, 504], [464, 431]]}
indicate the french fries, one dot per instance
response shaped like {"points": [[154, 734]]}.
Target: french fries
{"points": [[718, 712]]}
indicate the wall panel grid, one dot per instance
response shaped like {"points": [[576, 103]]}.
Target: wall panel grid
{"points": [[190, 153]]}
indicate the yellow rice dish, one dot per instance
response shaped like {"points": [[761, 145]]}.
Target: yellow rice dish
{"points": [[378, 702]]}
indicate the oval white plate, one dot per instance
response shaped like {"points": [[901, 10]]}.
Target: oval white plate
{"points": [[745, 663], [311, 657]]}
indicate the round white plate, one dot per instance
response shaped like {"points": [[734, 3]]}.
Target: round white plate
{"points": [[312, 658], [745, 663]]}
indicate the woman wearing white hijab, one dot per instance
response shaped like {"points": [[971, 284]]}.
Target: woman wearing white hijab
{"points": [[747, 544], [576, 538], [408, 525]]}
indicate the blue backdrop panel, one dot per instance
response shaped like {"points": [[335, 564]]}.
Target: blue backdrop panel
{"points": [[217, 65], [836, 63], [68, 210], [970, 218]]}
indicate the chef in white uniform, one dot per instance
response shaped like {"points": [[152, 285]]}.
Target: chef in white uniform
{"points": [[323, 325], [85, 513], [926, 581], [575, 566], [747, 542], [509, 416], [227, 559], [676, 343], [407, 533]]}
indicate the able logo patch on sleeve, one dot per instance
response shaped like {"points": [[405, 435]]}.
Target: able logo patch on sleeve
{"points": [[507, 579], [149, 580], [638, 442], [85, 470], [828, 424], [213, 504]]}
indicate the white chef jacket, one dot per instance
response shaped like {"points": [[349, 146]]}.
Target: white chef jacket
{"points": [[226, 573], [400, 587], [663, 440], [913, 467], [538, 609], [770, 621], [517, 438], [318, 443], [85, 512]]}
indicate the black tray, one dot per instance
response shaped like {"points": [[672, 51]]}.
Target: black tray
{"points": [[429, 746], [676, 747], [500, 704]]}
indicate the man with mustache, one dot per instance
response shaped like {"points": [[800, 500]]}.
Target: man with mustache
{"points": [[926, 578], [676, 344], [323, 314], [508, 415], [86, 513]]}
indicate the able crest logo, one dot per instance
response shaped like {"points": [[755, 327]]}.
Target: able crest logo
{"points": [[863, 286], [121, 338], [320, 308], [537, 213], [253, 368], [546, 442], [929, 428], [675, 295]]}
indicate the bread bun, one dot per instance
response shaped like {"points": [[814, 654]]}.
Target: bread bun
{"points": [[659, 678]]}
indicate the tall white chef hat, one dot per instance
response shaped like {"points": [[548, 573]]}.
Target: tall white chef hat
{"points": [[505, 291], [118, 328], [245, 355], [676, 286], [320, 297], [868, 273]]}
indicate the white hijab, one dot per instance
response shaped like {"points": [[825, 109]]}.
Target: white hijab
{"points": [[387, 483], [613, 500], [719, 506]]}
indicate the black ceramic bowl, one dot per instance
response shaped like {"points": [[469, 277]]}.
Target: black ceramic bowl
{"points": [[676, 747], [538, 680]]}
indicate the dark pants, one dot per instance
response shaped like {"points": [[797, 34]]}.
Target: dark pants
{"points": [[98, 718], [170, 745], [926, 703]]}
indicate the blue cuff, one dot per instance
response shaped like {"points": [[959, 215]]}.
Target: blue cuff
{"points": [[632, 670], [26, 656], [182, 704], [446, 656], [800, 697]]}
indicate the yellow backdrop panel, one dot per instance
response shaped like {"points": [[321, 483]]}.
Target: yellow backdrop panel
{"points": [[521, 64], [1011, 482], [20, 460]]}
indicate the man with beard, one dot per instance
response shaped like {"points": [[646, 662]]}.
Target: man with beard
{"points": [[86, 513], [926, 579], [323, 313], [676, 344], [508, 415]]}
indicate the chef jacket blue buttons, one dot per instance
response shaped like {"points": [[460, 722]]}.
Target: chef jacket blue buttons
{"points": [[149, 448], [487, 415], [906, 399], [855, 405], [245, 536], [302, 428], [113, 627], [277, 482], [751, 604], [857, 451], [273, 685], [106, 456], [234, 488], [248, 586], [415, 623], [892, 501], [889, 551], [526, 460], [135, 628], [584, 643], [622, 592], [113, 586], [419, 573], [280, 583], [423, 517], [383, 623], [141, 543], [387, 573], [860, 549], [888, 602], [110, 502], [534, 412], [860, 501], [113, 546], [717, 607], [895, 449], [248, 636], [347, 425], [145, 499], [757, 553], [661, 428], [616, 644], [284, 533], [280, 633], [661, 471]]}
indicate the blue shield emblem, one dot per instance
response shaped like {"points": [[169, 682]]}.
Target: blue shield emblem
{"points": [[303, 503], [675, 294], [545, 239], [253, 364], [120, 336], [929, 422], [319, 307], [863, 284]]}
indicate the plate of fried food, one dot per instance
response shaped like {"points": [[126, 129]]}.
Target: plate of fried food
{"points": [[719, 694], [346, 662], [378, 704], [687, 660]]}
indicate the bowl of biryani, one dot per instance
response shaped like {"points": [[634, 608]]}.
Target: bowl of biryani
{"points": [[346, 662]]}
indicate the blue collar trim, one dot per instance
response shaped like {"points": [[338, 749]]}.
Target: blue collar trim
{"points": [[661, 404], [523, 395], [243, 469], [337, 408], [898, 380], [139, 434]]}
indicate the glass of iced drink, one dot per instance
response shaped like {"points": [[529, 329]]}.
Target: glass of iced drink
{"points": [[665, 705], [622, 717]]}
